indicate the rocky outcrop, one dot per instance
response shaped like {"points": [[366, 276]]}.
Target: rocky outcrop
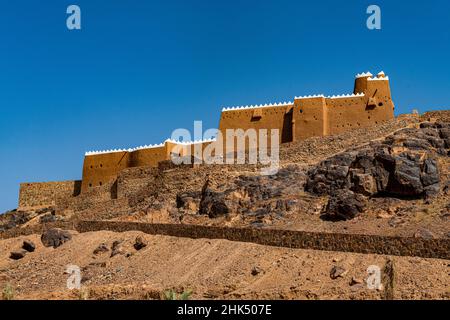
{"points": [[17, 217], [403, 165], [249, 195], [189, 202]]}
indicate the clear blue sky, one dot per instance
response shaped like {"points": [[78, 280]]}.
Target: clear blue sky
{"points": [[139, 69]]}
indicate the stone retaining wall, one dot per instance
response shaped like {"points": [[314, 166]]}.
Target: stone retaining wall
{"points": [[399, 246], [358, 243], [43, 194]]}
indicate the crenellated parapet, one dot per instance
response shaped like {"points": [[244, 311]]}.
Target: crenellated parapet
{"points": [[101, 167]]}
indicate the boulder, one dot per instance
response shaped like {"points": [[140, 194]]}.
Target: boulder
{"points": [[140, 243], [432, 191], [28, 246], [17, 255], [337, 272], [55, 237], [256, 270], [102, 248], [117, 248], [344, 205], [424, 233]]}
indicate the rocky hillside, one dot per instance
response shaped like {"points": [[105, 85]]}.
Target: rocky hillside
{"points": [[389, 180], [392, 178]]}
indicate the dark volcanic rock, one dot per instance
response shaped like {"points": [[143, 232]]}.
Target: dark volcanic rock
{"points": [[28, 246], [55, 237], [365, 183], [49, 217], [403, 165], [344, 205], [337, 272], [140, 243], [430, 174], [17, 255], [102, 248], [405, 179], [213, 204]]}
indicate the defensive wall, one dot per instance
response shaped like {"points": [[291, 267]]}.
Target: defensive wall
{"points": [[304, 117], [101, 167], [369, 104]]}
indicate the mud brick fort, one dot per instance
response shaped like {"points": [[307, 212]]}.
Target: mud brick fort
{"points": [[304, 117]]}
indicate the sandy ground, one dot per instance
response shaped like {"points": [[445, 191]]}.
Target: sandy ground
{"points": [[212, 269]]}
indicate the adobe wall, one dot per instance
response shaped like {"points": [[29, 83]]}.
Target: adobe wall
{"points": [[272, 117], [147, 157], [374, 107], [103, 168], [370, 104], [263, 117], [44, 194], [310, 118], [259, 118]]}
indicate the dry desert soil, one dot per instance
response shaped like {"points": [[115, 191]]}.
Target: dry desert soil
{"points": [[212, 269]]}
